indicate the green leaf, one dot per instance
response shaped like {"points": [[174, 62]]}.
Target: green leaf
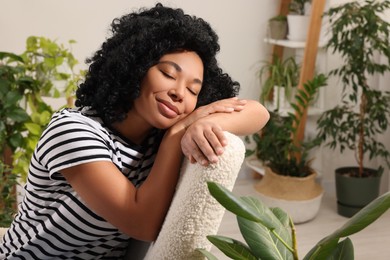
{"points": [[206, 253], [232, 248], [18, 115], [262, 240], [232, 203], [11, 99], [10, 55], [344, 250], [35, 129], [359, 221]]}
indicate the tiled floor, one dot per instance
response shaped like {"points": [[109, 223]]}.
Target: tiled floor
{"points": [[371, 243]]}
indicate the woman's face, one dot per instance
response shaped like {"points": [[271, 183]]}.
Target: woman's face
{"points": [[170, 89]]}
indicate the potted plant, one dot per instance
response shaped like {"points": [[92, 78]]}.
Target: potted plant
{"points": [[281, 77], [269, 233], [359, 35], [277, 26], [289, 180], [298, 20], [45, 69]]}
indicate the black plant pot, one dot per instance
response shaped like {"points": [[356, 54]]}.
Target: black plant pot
{"points": [[355, 193]]}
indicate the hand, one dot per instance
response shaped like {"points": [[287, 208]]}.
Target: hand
{"points": [[203, 142]]}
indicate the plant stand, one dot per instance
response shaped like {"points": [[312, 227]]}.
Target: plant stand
{"points": [[300, 197], [354, 193]]}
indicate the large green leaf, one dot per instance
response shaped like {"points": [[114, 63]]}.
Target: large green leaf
{"points": [[232, 203], [344, 251], [232, 248], [359, 221], [263, 241]]}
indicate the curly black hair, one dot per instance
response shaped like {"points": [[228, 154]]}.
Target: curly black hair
{"points": [[138, 41]]}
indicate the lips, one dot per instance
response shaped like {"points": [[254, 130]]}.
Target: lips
{"points": [[167, 109]]}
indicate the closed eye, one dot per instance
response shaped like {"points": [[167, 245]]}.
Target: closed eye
{"points": [[167, 74], [193, 92]]}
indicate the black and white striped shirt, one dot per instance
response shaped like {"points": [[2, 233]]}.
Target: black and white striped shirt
{"points": [[53, 222]]}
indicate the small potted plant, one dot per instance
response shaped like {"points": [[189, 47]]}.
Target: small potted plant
{"points": [[298, 20], [277, 26], [289, 180], [278, 80], [359, 34]]}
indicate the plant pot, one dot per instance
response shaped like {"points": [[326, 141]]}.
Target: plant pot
{"points": [[355, 193], [298, 26], [277, 29], [300, 197]]}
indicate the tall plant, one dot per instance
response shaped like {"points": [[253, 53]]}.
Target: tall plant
{"points": [[359, 34], [46, 68]]}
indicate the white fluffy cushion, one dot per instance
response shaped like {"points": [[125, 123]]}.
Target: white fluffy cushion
{"points": [[194, 213]]}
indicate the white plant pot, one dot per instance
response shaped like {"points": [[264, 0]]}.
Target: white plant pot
{"points": [[299, 197], [298, 26]]}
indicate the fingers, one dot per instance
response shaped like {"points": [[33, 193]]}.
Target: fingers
{"points": [[203, 144]]}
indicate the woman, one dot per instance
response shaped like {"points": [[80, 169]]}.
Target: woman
{"points": [[106, 171]]}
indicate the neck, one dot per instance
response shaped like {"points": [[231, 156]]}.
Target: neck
{"points": [[133, 128]]}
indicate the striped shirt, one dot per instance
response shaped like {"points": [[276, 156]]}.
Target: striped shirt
{"points": [[53, 222]]}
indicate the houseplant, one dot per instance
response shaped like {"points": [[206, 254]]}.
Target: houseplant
{"points": [[45, 69], [277, 26], [289, 181], [359, 35], [269, 232], [278, 78], [298, 20]]}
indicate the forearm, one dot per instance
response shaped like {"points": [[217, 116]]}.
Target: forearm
{"points": [[247, 121]]}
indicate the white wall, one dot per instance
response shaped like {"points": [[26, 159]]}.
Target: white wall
{"points": [[241, 26]]}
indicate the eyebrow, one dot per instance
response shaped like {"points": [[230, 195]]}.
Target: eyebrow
{"points": [[179, 69]]}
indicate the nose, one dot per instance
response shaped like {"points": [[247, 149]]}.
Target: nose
{"points": [[176, 93]]}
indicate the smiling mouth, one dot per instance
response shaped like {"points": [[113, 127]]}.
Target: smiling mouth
{"points": [[167, 110]]}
